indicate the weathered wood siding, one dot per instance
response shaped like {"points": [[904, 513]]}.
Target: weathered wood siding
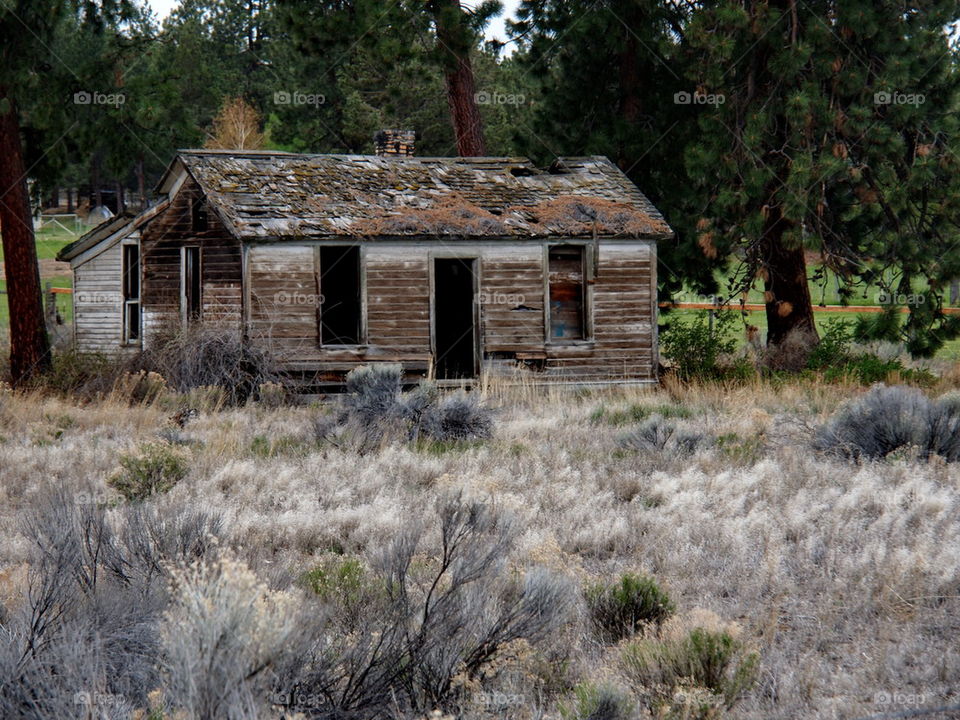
{"points": [[284, 292], [221, 270], [621, 296], [98, 303]]}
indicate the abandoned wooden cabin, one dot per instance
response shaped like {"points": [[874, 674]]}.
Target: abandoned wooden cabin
{"points": [[448, 266]]}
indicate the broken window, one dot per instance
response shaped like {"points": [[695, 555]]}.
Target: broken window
{"points": [[191, 286], [567, 293], [339, 295], [131, 293], [198, 215]]}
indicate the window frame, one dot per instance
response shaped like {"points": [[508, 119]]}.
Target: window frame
{"points": [[128, 300], [362, 339], [587, 260], [199, 214], [186, 317]]}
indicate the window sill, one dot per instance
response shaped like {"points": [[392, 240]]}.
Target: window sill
{"points": [[570, 343]]}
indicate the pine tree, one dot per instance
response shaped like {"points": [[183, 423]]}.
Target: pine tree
{"points": [[608, 71], [836, 133]]}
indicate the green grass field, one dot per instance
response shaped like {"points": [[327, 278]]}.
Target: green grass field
{"points": [[50, 241]]}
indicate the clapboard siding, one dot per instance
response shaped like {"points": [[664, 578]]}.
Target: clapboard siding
{"points": [[98, 303], [283, 292], [221, 268]]}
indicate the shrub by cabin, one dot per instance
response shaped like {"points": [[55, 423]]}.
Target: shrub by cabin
{"points": [[448, 266]]}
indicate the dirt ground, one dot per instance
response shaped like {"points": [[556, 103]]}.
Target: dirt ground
{"points": [[49, 268]]}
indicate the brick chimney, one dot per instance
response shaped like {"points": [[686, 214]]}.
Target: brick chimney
{"points": [[395, 143]]}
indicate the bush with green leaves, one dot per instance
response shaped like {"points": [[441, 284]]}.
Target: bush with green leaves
{"points": [[695, 347], [597, 702], [620, 609], [713, 660], [152, 469], [836, 358], [894, 419]]}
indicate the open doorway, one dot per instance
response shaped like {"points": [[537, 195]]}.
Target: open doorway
{"points": [[454, 318]]}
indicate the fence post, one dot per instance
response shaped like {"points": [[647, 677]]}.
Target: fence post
{"points": [[50, 306]]}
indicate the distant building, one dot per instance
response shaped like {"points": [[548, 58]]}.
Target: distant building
{"points": [[449, 266]]}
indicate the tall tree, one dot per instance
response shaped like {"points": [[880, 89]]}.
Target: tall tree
{"points": [[837, 133], [609, 71], [456, 40], [27, 28], [236, 127]]}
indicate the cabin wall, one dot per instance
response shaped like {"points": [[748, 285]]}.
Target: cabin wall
{"points": [[284, 292], [221, 272], [98, 303], [624, 328]]}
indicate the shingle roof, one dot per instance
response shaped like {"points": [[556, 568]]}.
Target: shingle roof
{"points": [[267, 195]]}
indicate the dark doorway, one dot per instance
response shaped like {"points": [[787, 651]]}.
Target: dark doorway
{"points": [[340, 295], [454, 318]]}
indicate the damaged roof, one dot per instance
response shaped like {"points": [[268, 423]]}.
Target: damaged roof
{"points": [[276, 195]]}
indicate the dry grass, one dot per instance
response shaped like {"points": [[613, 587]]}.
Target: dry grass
{"points": [[845, 578]]}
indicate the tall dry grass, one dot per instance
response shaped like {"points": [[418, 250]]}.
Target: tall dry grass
{"points": [[844, 577]]}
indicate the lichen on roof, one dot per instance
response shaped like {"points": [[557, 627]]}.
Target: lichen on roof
{"points": [[272, 196]]}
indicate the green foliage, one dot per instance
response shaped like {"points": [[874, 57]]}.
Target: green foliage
{"points": [[878, 326], [741, 450], [835, 359], [834, 346], [713, 660], [860, 162], [695, 348], [153, 469], [342, 580], [621, 609], [597, 702]]}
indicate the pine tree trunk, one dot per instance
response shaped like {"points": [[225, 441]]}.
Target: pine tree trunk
{"points": [[790, 307], [29, 344], [458, 79]]}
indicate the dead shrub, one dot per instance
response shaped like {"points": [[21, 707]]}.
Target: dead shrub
{"points": [[210, 355], [434, 628], [375, 410], [893, 419]]}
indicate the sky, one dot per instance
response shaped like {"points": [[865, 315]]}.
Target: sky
{"points": [[495, 29]]}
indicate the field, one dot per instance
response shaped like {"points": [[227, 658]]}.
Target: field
{"points": [[50, 241], [841, 577]]}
